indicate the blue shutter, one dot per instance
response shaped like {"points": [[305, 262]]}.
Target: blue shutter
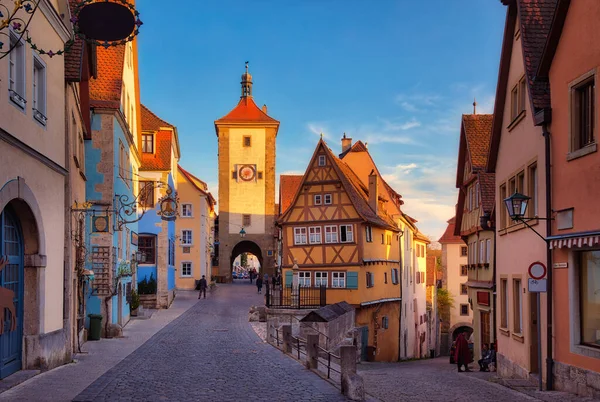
{"points": [[352, 280], [288, 278]]}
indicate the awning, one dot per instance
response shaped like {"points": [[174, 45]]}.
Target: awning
{"points": [[574, 240]]}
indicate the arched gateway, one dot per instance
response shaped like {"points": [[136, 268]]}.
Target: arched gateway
{"points": [[246, 138], [246, 247]]}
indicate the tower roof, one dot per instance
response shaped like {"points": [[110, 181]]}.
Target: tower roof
{"points": [[246, 110]]}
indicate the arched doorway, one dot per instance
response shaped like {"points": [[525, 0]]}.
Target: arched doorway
{"points": [[460, 330], [11, 292], [248, 247]]}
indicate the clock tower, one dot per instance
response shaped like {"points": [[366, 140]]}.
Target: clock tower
{"points": [[246, 137]]}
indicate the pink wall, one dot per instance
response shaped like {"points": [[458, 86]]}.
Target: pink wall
{"points": [[517, 247], [575, 183]]}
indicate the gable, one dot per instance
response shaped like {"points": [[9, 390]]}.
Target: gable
{"points": [[321, 180]]}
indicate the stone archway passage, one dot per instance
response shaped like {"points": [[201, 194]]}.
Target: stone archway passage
{"points": [[246, 246]]}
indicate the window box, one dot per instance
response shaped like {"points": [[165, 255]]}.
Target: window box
{"points": [[39, 116], [17, 99]]}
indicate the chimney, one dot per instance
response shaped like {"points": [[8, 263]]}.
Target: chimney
{"points": [[373, 190], [346, 143], [264, 109]]}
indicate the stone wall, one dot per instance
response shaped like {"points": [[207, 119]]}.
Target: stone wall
{"points": [[508, 369], [576, 380]]}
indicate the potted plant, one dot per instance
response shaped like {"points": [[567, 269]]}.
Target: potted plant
{"points": [[135, 303]]}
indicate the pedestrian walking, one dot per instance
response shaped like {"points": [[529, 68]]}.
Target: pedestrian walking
{"points": [[463, 353], [259, 283], [202, 285]]}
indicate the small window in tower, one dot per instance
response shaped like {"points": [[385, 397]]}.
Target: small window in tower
{"points": [[246, 220], [247, 141], [260, 175], [322, 160], [234, 175]]}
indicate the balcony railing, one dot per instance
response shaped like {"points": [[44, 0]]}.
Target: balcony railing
{"points": [[296, 297]]}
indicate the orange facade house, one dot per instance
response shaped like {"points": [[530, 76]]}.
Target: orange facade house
{"points": [[338, 232], [517, 157], [571, 62], [474, 223]]}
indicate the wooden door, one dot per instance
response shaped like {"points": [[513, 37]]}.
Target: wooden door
{"points": [[485, 327], [11, 294]]}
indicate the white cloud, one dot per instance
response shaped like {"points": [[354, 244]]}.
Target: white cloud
{"points": [[392, 126], [318, 129], [427, 185], [417, 102]]}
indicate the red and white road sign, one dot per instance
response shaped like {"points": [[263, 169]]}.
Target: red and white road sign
{"points": [[537, 270]]}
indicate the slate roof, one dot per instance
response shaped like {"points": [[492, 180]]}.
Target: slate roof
{"points": [[449, 236], [105, 91], [246, 111], [536, 20], [288, 187], [328, 313], [478, 132]]}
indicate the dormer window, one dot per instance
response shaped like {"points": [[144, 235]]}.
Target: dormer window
{"points": [[147, 143]]}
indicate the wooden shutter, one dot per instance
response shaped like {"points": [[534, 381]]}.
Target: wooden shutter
{"points": [[352, 280], [288, 278]]}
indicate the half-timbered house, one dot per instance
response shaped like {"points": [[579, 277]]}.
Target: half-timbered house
{"points": [[337, 231], [473, 223]]}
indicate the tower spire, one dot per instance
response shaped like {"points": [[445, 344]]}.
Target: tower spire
{"points": [[246, 83]]}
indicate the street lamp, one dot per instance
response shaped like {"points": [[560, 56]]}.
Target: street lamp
{"points": [[139, 256], [516, 205], [242, 233]]}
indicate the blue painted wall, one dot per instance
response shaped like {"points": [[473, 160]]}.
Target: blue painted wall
{"points": [[120, 187], [148, 225]]}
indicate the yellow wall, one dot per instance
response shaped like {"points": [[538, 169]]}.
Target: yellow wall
{"points": [[384, 340], [188, 194], [247, 197]]}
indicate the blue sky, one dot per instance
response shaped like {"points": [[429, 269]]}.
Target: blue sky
{"points": [[397, 75]]}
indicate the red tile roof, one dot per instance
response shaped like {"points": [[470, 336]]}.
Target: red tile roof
{"points": [[151, 122], [288, 187], [431, 271], [536, 20], [478, 132], [449, 236], [105, 91], [359, 146], [487, 187], [73, 58], [197, 183], [246, 111], [161, 158], [359, 193]]}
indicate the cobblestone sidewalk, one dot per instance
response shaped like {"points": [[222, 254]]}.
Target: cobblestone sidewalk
{"points": [[64, 383]]}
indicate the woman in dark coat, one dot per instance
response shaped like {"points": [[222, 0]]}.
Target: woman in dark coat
{"points": [[462, 354], [259, 283]]}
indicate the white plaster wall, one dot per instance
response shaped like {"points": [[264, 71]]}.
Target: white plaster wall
{"points": [[454, 261], [48, 188]]}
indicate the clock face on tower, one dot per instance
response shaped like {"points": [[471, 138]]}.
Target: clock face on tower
{"points": [[247, 172]]}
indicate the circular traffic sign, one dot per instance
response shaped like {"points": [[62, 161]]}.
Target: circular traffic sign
{"points": [[537, 270]]}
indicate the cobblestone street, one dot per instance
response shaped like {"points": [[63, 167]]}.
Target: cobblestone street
{"points": [[437, 380]]}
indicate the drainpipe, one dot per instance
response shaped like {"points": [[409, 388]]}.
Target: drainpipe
{"points": [[67, 268], [549, 298]]}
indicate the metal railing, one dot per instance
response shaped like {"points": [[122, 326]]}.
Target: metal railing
{"points": [[296, 297], [325, 357], [307, 325]]}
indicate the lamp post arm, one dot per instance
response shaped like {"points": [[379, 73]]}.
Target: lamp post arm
{"points": [[536, 232]]}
